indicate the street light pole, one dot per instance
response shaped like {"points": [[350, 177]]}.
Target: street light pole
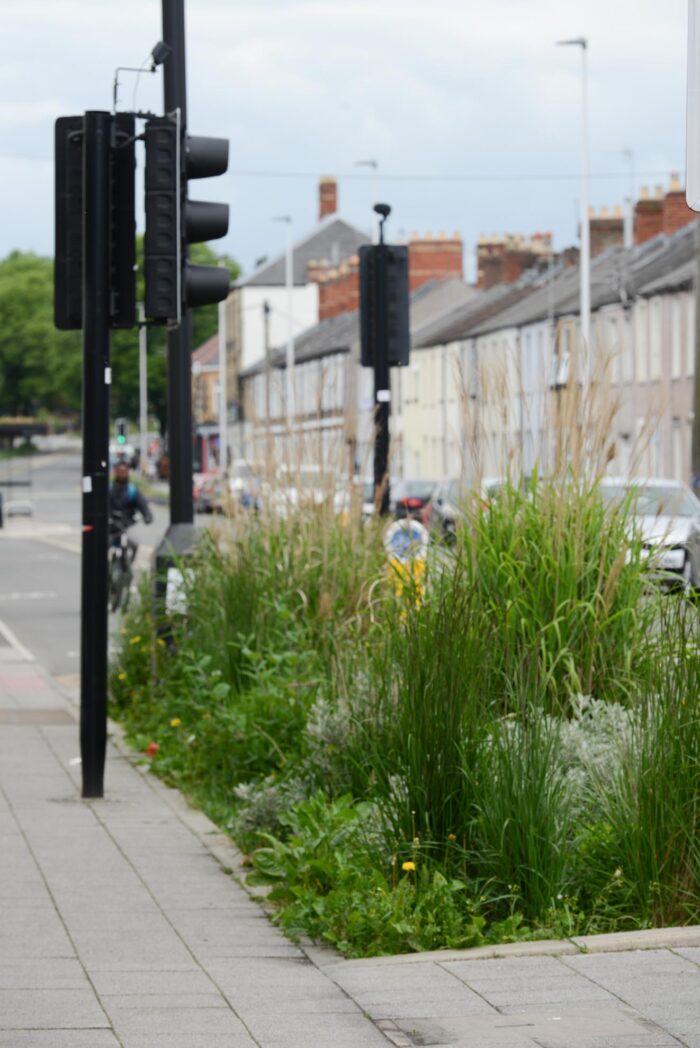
{"points": [[585, 260], [289, 282]]}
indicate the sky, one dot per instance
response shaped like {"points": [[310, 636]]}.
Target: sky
{"points": [[470, 111]]}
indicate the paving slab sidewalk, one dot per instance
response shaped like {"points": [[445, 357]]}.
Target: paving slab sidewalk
{"points": [[121, 924]]}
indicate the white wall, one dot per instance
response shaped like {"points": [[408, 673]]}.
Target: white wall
{"points": [[304, 314]]}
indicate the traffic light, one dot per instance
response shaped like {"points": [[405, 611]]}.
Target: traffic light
{"points": [[68, 263], [122, 245], [122, 427], [173, 221], [384, 304], [68, 254], [162, 239]]}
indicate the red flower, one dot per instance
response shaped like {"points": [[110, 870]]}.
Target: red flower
{"points": [[152, 749]]}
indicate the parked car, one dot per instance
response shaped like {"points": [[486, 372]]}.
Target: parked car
{"points": [[666, 516], [412, 498]]}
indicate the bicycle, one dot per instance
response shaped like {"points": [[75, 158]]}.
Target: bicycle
{"points": [[121, 557]]}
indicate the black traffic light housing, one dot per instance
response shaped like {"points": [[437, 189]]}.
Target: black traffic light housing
{"points": [[173, 284], [384, 304], [122, 428], [69, 197]]}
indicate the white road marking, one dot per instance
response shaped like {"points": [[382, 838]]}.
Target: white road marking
{"points": [[15, 644], [29, 595]]}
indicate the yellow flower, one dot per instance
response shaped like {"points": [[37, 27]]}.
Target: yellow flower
{"points": [[408, 866], [451, 837], [161, 643], [175, 722], [121, 676], [135, 640], [123, 631]]}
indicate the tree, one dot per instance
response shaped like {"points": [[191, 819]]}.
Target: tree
{"points": [[40, 367]]}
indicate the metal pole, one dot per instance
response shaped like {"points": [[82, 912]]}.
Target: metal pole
{"points": [[143, 389], [695, 430], [382, 385], [291, 385], [585, 227], [179, 336], [268, 379], [95, 411], [223, 394]]}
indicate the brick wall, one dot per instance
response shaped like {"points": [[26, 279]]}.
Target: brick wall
{"points": [[606, 230], [676, 212], [327, 197], [502, 259], [648, 215], [430, 258], [434, 258]]}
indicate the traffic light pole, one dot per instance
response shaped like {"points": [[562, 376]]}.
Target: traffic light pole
{"points": [[95, 411], [382, 385], [180, 335]]}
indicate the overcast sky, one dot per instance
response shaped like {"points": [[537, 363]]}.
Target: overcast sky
{"points": [[303, 88]]}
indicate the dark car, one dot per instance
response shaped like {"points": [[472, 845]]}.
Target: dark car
{"points": [[412, 498]]}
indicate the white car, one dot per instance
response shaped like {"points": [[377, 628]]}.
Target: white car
{"points": [[667, 515]]}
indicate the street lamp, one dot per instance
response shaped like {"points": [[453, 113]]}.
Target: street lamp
{"points": [[289, 277], [585, 260]]}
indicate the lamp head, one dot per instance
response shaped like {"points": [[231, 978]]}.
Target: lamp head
{"points": [[160, 52], [382, 209]]}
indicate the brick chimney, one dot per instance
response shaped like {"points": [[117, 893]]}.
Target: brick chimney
{"points": [[648, 215], [434, 258], [430, 258], [606, 229], [675, 211], [327, 197], [502, 259]]}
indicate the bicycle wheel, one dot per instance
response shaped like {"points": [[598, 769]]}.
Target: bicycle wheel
{"points": [[126, 584], [115, 585]]}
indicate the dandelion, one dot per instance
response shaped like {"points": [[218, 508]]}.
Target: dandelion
{"points": [[408, 867], [161, 643], [452, 836], [135, 640], [121, 676], [175, 722]]}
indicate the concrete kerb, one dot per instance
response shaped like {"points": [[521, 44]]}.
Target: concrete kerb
{"points": [[233, 863]]}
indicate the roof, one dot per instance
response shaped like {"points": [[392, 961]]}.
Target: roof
{"points": [[341, 333], [333, 240], [458, 322], [617, 275], [208, 353], [679, 279]]}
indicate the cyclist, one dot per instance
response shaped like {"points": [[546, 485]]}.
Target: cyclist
{"points": [[125, 500]]}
